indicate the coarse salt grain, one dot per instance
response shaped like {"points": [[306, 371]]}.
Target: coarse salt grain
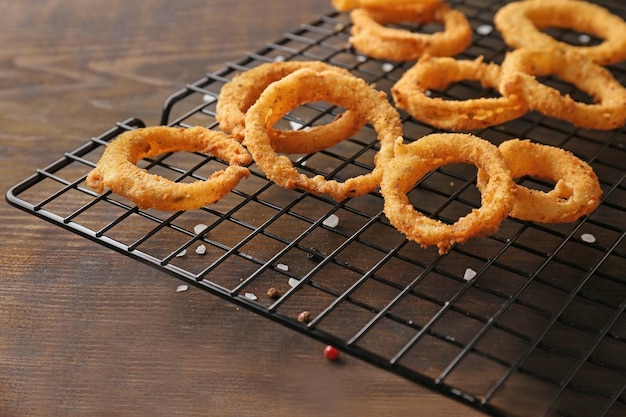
{"points": [[293, 282], [182, 288], [469, 274], [588, 237], [250, 296], [201, 250], [331, 221], [583, 38], [361, 58], [181, 253], [295, 125], [199, 228], [207, 98], [387, 67], [282, 267], [484, 29]]}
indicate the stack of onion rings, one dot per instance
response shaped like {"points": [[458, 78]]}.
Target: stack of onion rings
{"points": [[411, 162], [252, 103], [521, 67], [371, 37], [411, 94], [577, 191], [243, 90], [307, 85], [118, 171], [521, 22]]}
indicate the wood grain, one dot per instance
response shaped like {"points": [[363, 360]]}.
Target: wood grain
{"points": [[89, 332]]}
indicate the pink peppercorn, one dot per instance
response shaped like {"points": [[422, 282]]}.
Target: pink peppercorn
{"points": [[331, 353]]}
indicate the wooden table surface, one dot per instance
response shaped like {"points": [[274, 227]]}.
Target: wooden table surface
{"points": [[86, 331]]}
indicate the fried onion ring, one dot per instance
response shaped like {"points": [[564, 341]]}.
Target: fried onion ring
{"points": [[371, 37], [521, 22], [577, 191], [411, 162], [306, 85], [410, 94], [519, 71], [117, 168], [243, 90], [346, 5]]}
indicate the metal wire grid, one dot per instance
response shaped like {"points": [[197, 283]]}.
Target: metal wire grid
{"points": [[539, 330]]}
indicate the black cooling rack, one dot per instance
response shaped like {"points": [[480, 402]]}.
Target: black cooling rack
{"points": [[539, 330]]}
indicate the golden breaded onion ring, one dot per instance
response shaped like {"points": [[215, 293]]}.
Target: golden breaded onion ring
{"points": [[411, 94], [371, 37], [576, 193], [117, 168], [345, 5], [413, 161], [520, 24], [236, 97], [521, 67], [306, 85]]}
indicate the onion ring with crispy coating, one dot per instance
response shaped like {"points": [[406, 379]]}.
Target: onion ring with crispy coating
{"points": [[370, 36], [236, 97], [411, 162], [577, 191], [521, 22], [519, 71], [346, 5], [306, 85], [117, 167], [410, 94]]}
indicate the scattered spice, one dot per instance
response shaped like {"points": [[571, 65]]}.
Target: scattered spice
{"points": [[331, 353], [314, 256], [274, 292], [304, 317]]}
